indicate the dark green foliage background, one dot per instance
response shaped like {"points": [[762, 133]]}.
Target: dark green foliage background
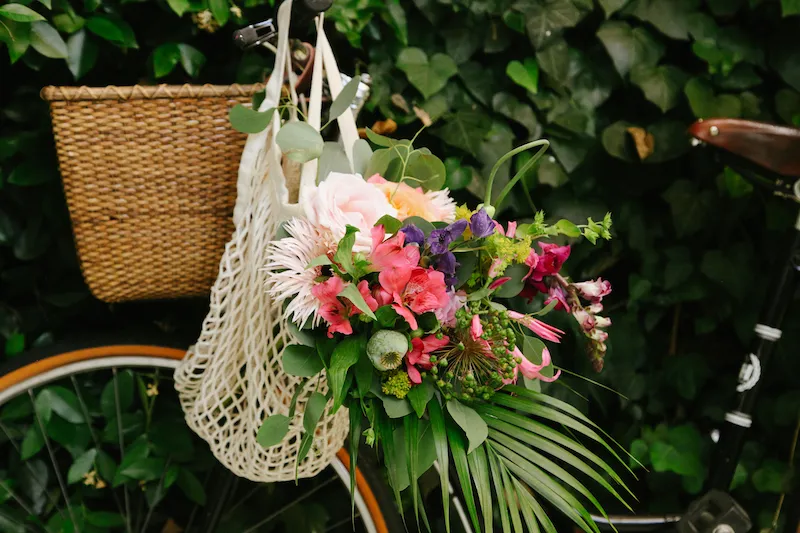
{"points": [[693, 242]]}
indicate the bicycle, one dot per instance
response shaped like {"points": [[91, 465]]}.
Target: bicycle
{"points": [[766, 155]]}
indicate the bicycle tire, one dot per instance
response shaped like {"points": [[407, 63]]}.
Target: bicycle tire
{"points": [[39, 367]]}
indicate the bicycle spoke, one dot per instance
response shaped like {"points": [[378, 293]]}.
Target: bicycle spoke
{"points": [[196, 506], [342, 522], [19, 500], [32, 472], [53, 461], [283, 509], [218, 507], [121, 449]]}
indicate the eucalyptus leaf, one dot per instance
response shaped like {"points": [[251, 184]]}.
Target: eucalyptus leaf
{"points": [[300, 142], [248, 120], [301, 361], [471, 423], [345, 98], [273, 430]]}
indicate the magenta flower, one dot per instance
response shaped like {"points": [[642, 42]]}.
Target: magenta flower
{"points": [[549, 262]]}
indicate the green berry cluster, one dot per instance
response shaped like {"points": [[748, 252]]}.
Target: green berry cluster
{"points": [[396, 383]]}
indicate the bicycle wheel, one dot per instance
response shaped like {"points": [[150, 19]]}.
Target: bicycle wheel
{"points": [[94, 440]]}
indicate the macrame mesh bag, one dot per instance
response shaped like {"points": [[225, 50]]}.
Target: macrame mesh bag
{"points": [[233, 378]]}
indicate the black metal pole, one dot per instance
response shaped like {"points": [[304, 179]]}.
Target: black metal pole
{"points": [[768, 333]]}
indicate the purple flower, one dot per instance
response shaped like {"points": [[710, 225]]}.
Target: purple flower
{"points": [[414, 235], [481, 224], [446, 263], [440, 239]]}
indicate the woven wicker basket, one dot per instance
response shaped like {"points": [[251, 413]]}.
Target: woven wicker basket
{"points": [[150, 179]]}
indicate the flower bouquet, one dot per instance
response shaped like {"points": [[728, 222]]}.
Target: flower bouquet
{"points": [[402, 298]]}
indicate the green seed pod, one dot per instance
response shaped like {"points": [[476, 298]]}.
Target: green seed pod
{"points": [[386, 349]]}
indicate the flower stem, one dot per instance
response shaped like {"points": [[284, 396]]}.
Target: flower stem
{"points": [[543, 143]]}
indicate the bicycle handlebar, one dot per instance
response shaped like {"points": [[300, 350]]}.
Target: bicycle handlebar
{"points": [[303, 11]]}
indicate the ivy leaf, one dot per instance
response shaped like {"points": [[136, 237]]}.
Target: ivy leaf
{"points": [[465, 130], [525, 74], [220, 10], [671, 18], [616, 141], [300, 141], [429, 76], [661, 85], [82, 51], [544, 19], [19, 13], [471, 423], [612, 6], [514, 109], [460, 41], [32, 172], [192, 59], [46, 40], [787, 105], [479, 81], [273, 430], [165, 59], [555, 61], [301, 361], [784, 57], [705, 103], [735, 184], [15, 344], [551, 173], [639, 450], [629, 47], [690, 207]]}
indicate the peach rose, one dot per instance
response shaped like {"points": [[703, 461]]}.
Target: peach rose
{"points": [[346, 199], [433, 206]]}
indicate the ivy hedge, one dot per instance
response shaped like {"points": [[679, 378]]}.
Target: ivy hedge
{"points": [[613, 84]]}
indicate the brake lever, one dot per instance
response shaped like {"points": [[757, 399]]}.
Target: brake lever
{"points": [[303, 12]]}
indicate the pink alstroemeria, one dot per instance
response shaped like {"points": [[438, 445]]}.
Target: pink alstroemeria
{"points": [[595, 290], [543, 330], [392, 252], [414, 291], [332, 309], [447, 315], [532, 371], [420, 355]]}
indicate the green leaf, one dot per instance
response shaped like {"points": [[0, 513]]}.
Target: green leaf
{"points": [[459, 454], [544, 20], [146, 469], [439, 431], [479, 471], [419, 396], [301, 361], [107, 28], [345, 355], [120, 397], [364, 372], [315, 407], [19, 13], [82, 54], [525, 74], [192, 59], [427, 171], [165, 59], [639, 450], [706, 104], [515, 285], [362, 154], [661, 85], [629, 47], [15, 344], [333, 159], [390, 224], [17, 36], [395, 407], [499, 489], [465, 130], [411, 430], [565, 227], [671, 18], [354, 439], [380, 140], [345, 99], [63, 402], [248, 120], [191, 486], [300, 141], [512, 108], [735, 184], [471, 422], [31, 443], [790, 7], [612, 6], [32, 172], [344, 251], [69, 22], [220, 10], [179, 7], [351, 293], [429, 76], [46, 40], [555, 62], [273, 430], [690, 207]]}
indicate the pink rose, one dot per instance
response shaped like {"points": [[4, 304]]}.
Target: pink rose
{"points": [[414, 202], [346, 199]]}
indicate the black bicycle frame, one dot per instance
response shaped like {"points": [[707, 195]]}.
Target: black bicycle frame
{"points": [[768, 332]]}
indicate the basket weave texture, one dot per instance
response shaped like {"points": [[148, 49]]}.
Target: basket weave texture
{"points": [[150, 176]]}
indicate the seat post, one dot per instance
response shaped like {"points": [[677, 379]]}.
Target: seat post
{"points": [[739, 419]]}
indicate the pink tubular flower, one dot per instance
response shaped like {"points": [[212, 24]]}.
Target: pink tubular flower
{"points": [[414, 291], [420, 355], [332, 309], [391, 252], [595, 290], [532, 261], [499, 282], [475, 327], [585, 319], [511, 232], [532, 371], [545, 331]]}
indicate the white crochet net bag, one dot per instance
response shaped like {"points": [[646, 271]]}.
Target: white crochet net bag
{"points": [[233, 378]]}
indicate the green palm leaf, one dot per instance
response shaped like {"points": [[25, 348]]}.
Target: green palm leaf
{"points": [[534, 506], [479, 470], [459, 452], [511, 500], [442, 455], [496, 467]]}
